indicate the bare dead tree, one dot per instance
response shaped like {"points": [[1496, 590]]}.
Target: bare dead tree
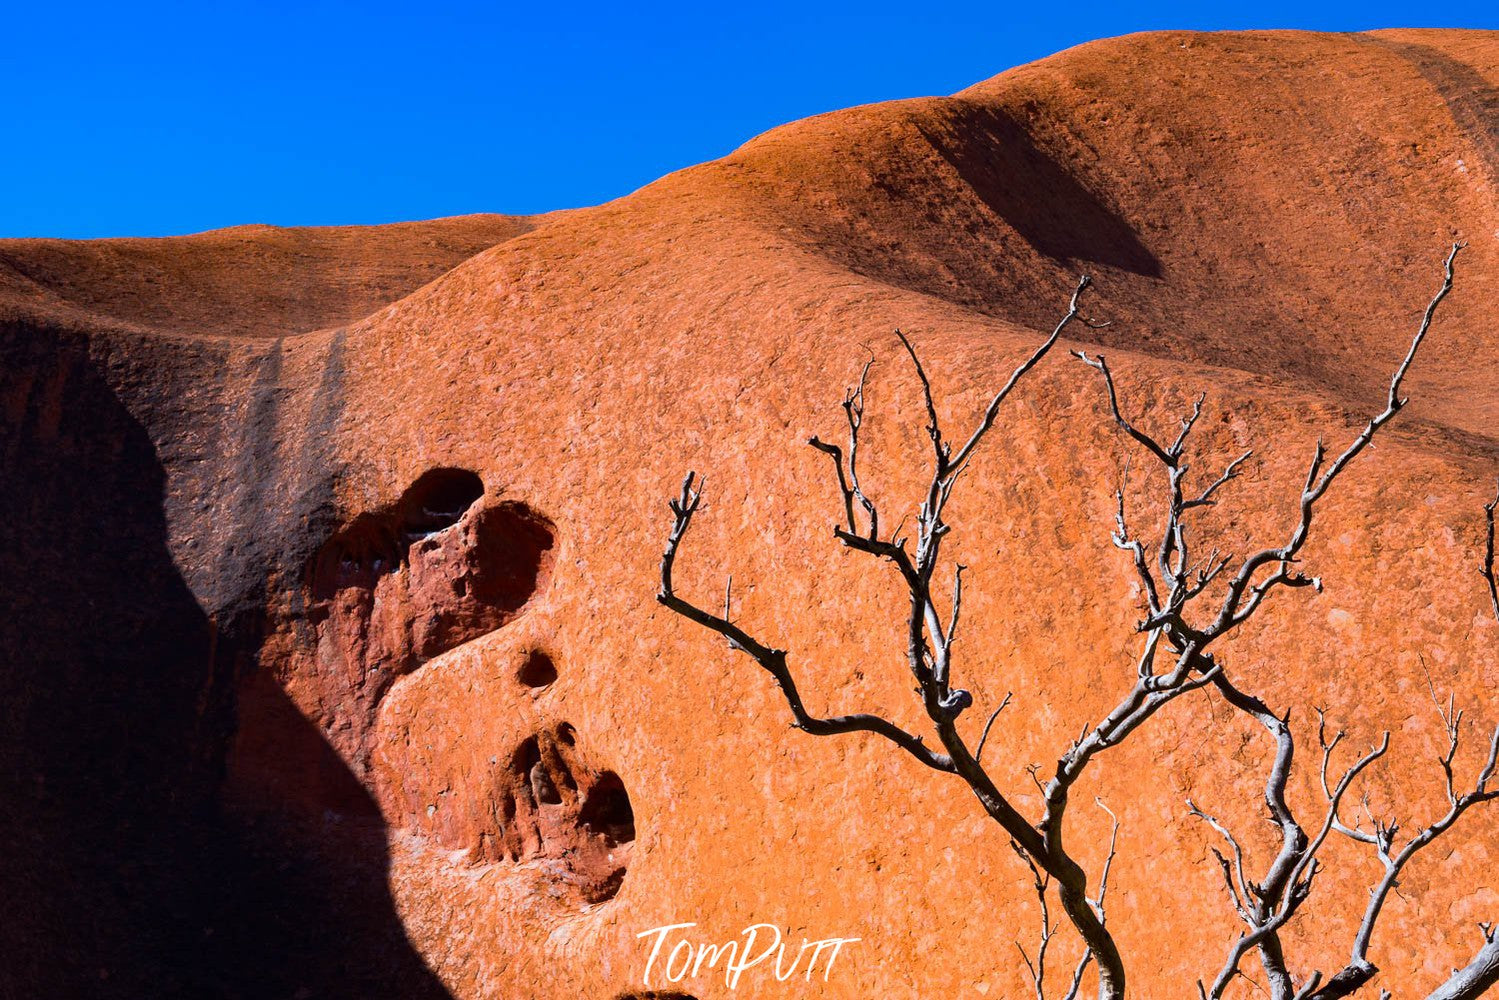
{"points": [[1172, 588], [1175, 657]]}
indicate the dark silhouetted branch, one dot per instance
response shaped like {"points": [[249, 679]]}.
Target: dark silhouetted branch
{"points": [[1487, 569], [1171, 583], [1179, 630], [774, 660]]}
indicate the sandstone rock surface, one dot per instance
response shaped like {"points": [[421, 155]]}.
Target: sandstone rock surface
{"points": [[329, 560]]}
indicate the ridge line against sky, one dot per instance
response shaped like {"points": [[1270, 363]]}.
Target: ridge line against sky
{"points": [[167, 119]]}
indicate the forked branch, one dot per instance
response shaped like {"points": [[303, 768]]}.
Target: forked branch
{"points": [[930, 628], [1176, 658], [771, 659], [1244, 593], [1383, 836], [1173, 580]]}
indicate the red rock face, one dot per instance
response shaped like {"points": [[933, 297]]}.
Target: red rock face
{"points": [[398, 587], [389, 591], [394, 658], [541, 805], [247, 281]]}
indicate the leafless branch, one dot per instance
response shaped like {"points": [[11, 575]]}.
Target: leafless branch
{"points": [[1231, 472], [848, 481], [1171, 582], [1244, 594], [1233, 872], [1487, 569], [1478, 976], [929, 644], [1288, 882], [1074, 312], [1108, 861], [1175, 659], [773, 660], [1383, 836], [1041, 883], [978, 754]]}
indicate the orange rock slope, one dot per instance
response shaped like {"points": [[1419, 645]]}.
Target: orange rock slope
{"points": [[334, 649]]}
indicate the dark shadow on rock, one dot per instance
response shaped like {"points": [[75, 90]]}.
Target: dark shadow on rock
{"points": [[121, 874], [1470, 98], [1043, 202]]}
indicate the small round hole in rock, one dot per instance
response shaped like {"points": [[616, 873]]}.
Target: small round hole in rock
{"points": [[538, 671]]}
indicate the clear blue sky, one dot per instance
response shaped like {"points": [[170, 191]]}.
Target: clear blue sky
{"points": [[148, 119]]}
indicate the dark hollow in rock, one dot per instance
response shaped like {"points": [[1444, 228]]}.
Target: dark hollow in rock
{"points": [[538, 671], [549, 804], [396, 586], [606, 811], [439, 499], [656, 995]]}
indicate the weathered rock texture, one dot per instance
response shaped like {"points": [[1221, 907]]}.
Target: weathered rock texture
{"points": [[331, 660]]}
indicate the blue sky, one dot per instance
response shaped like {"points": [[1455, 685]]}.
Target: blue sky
{"points": [[146, 119]]}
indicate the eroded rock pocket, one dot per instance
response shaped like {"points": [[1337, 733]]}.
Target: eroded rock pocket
{"points": [[538, 670], [550, 806], [397, 586]]}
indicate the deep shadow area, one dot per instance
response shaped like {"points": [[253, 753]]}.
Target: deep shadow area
{"points": [[121, 873], [1041, 200]]}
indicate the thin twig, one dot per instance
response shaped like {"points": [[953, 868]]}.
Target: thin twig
{"points": [[1487, 569]]}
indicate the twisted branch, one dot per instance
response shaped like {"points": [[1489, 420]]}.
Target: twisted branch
{"points": [[1172, 581], [1175, 659], [771, 659]]}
